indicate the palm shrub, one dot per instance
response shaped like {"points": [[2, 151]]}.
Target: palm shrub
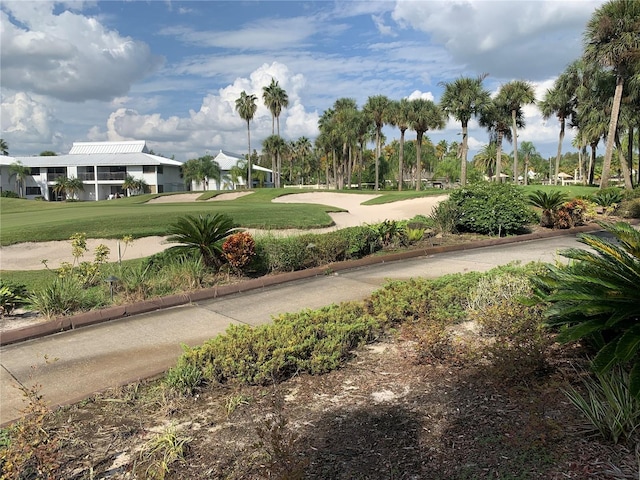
{"points": [[608, 197], [597, 298], [205, 234], [549, 203], [12, 296]]}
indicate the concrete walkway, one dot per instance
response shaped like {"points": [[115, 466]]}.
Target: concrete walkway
{"points": [[70, 366]]}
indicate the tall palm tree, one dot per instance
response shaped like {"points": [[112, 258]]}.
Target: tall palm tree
{"points": [[400, 116], [377, 109], [496, 118], [485, 159], [246, 107], [275, 99], [302, 150], [274, 145], [463, 99], [514, 95], [613, 41], [21, 172], [559, 102], [425, 115], [4, 147], [200, 170]]}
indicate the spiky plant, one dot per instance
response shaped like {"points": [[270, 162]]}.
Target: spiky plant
{"points": [[549, 202], [205, 234], [597, 298]]}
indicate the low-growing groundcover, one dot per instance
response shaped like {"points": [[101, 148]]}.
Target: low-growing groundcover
{"points": [[387, 412]]}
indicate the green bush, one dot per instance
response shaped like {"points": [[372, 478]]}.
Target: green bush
{"points": [[63, 296], [629, 208], [445, 217], [608, 197], [9, 194], [282, 254], [361, 241], [184, 378], [310, 341], [322, 249], [12, 296], [492, 209], [596, 298], [608, 405]]}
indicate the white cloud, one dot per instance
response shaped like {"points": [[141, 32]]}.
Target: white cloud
{"points": [[536, 38], [26, 121], [67, 56], [386, 30], [418, 94], [216, 124]]}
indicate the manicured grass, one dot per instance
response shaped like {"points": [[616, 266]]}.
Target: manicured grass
{"points": [[27, 220], [572, 191], [388, 197]]}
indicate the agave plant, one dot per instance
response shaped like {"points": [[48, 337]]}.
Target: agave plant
{"points": [[597, 298], [205, 234], [549, 202]]}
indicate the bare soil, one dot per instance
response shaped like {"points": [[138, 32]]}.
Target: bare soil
{"points": [[385, 415]]}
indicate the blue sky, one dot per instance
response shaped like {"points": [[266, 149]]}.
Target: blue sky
{"points": [[169, 72]]}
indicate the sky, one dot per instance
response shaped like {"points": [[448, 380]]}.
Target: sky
{"points": [[169, 72]]}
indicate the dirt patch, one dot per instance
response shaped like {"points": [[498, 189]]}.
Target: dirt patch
{"points": [[382, 416]]}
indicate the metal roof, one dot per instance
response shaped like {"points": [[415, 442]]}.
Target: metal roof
{"points": [[90, 148], [227, 160], [99, 159]]}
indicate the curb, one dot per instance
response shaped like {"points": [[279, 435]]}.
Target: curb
{"points": [[93, 317]]}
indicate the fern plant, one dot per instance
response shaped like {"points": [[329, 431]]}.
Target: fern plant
{"points": [[205, 234], [597, 297], [549, 203]]}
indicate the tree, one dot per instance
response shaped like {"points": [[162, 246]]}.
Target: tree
{"points": [[69, 187], [21, 172], [496, 118], [463, 99], [201, 170], [275, 99], [613, 41], [531, 157], [274, 145], [204, 234], [48, 153], [485, 159], [377, 109], [425, 115], [514, 95], [246, 107], [134, 186], [4, 147], [400, 116], [560, 101]]}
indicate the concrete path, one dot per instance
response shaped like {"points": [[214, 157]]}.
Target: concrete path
{"points": [[72, 365]]}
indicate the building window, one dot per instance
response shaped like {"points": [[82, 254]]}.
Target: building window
{"points": [[35, 171], [159, 169], [148, 169], [160, 188], [54, 173], [33, 191]]}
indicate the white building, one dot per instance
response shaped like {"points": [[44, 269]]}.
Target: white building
{"points": [[102, 167], [226, 161]]}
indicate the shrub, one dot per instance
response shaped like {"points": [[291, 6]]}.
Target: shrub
{"points": [[62, 297], [134, 282], [608, 197], [596, 297], [608, 405], [309, 341], [204, 234], [445, 217], [629, 208], [283, 254], [12, 296], [493, 209], [324, 248], [361, 241], [549, 203], [184, 378], [574, 213], [239, 249], [9, 194]]}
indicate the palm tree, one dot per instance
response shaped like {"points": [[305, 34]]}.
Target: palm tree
{"points": [[302, 151], [204, 234], [496, 118], [246, 107], [377, 109], [4, 147], [425, 115], [612, 40], [201, 170], [514, 95], [528, 151], [463, 99], [21, 172], [560, 101], [275, 99], [73, 186], [549, 203], [274, 145], [400, 116], [485, 159]]}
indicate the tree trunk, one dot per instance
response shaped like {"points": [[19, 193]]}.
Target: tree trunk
{"points": [[419, 160], [498, 157], [592, 164], [249, 179], [526, 169], [515, 147], [560, 139], [624, 164], [401, 160], [613, 125], [463, 163], [377, 157]]}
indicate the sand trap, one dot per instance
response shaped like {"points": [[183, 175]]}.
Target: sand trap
{"points": [[29, 256], [178, 198], [228, 196]]}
